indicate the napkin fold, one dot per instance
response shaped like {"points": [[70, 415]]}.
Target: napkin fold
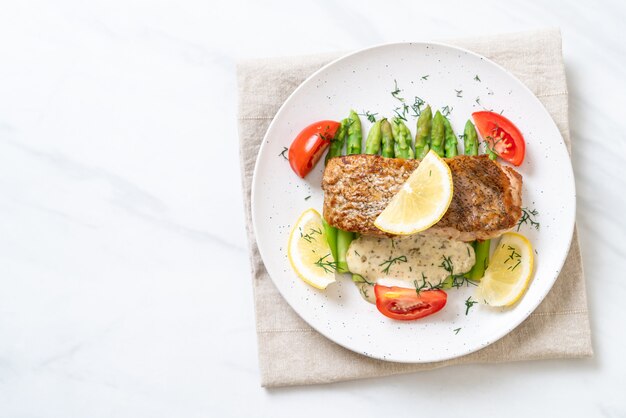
{"points": [[558, 328]]}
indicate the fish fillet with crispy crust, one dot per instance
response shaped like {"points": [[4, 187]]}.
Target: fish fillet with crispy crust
{"points": [[486, 202]]}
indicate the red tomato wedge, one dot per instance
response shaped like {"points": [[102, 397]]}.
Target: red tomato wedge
{"points": [[406, 304], [308, 147], [502, 136]]}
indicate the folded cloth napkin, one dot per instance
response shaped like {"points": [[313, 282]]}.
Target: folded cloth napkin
{"points": [[558, 328]]}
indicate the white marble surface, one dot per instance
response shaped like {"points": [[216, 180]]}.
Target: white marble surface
{"points": [[125, 289]]}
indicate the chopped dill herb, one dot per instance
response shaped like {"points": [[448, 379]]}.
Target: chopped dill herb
{"points": [[529, 217], [446, 264], [456, 330], [478, 101], [402, 115], [477, 78], [310, 237], [425, 77], [282, 153], [459, 93], [446, 110], [328, 266], [515, 266], [454, 280], [391, 261], [426, 285], [308, 197], [370, 116], [490, 145], [468, 304], [396, 91], [417, 106], [357, 278]]}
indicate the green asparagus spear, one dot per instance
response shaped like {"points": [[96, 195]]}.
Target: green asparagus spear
{"points": [[490, 151], [336, 145], [344, 238], [471, 139], [422, 136], [481, 248], [438, 134], [331, 238], [355, 136], [374, 139], [402, 139], [387, 139], [450, 146]]}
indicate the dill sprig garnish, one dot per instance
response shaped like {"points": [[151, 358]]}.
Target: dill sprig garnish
{"points": [[490, 144], [425, 77], [454, 280], [357, 278], [282, 153], [328, 266], [402, 115], [528, 217], [514, 257], [459, 93], [427, 285], [369, 115], [446, 110], [391, 261], [477, 78], [417, 106], [478, 101], [311, 235], [456, 330], [396, 91], [468, 304], [446, 264]]}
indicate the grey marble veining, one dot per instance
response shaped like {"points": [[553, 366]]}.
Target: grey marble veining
{"points": [[125, 285]]}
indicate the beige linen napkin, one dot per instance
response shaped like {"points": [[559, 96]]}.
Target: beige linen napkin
{"points": [[559, 327]]}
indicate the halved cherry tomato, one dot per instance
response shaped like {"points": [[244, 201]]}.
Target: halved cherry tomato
{"points": [[306, 150], [502, 136], [406, 304]]}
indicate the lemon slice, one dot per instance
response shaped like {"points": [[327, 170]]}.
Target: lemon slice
{"points": [[422, 201], [509, 271], [309, 252]]}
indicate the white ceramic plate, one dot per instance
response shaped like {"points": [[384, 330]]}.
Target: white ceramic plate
{"points": [[439, 74]]}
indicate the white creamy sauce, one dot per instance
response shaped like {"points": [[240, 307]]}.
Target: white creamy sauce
{"points": [[413, 259]]}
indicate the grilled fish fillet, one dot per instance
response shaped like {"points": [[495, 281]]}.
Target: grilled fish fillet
{"points": [[486, 201]]}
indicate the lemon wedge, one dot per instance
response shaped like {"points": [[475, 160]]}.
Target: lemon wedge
{"points": [[509, 271], [309, 252], [422, 201]]}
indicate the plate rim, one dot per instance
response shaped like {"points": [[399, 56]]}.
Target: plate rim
{"points": [[505, 330]]}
